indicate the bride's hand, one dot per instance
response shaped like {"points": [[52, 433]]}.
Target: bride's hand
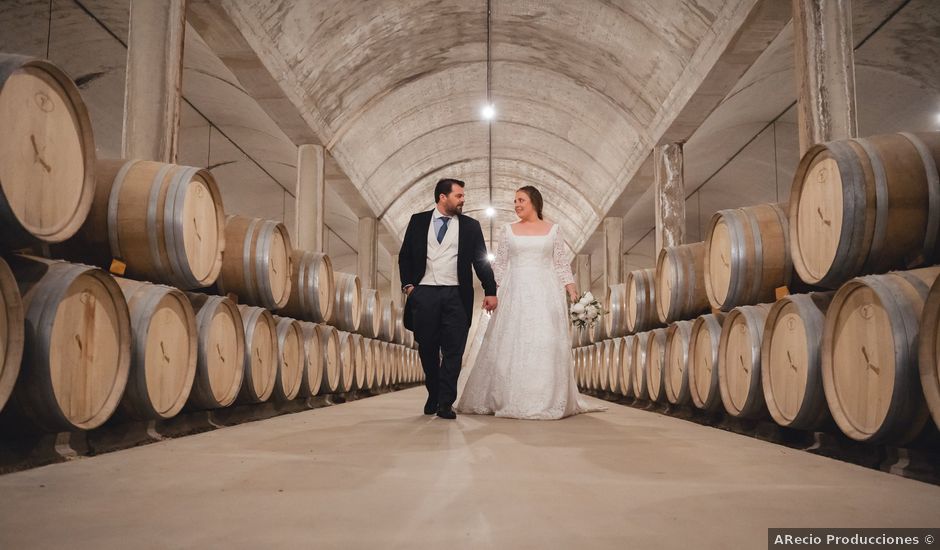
{"points": [[572, 292]]}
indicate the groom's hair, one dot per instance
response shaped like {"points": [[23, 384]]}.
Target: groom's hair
{"points": [[444, 187]]}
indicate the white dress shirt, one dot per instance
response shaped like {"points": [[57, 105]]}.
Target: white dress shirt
{"points": [[441, 267]]}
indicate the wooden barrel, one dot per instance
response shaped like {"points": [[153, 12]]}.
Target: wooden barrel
{"points": [[256, 264], [347, 302], [389, 316], [614, 370], [360, 381], [77, 352], [791, 371], [747, 255], [313, 360], [47, 171], [929, 351], [381, 363], [640, 348], [163, 350], [347, 362], [221, 352], [312, 287], [372, 363], [399, 330], [641, 301], [290, 359], [588, 365], [680, 282], [371, 324], [11, 332], [331, 359], [869, 356], [626, 366], [739, 366], [865, 206], [676, 370], [703, 359], [655, 364], [261, 354], [164, 221], [615, 320]]}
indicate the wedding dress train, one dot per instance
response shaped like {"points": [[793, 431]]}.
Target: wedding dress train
{"points": [[524, 367]]}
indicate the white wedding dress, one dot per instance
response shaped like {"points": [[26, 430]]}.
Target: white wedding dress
{"points": [[524, 368]]}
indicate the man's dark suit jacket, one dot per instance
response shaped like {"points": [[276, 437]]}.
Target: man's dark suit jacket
{"points": [[471, 250]]}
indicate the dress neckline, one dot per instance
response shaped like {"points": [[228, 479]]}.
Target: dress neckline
{"points": [[543, 235]]}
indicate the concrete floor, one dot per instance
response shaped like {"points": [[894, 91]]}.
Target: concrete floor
{"points": [[375, 473]]}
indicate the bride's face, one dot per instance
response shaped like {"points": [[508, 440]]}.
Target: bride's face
{"points": [[523, 205]]}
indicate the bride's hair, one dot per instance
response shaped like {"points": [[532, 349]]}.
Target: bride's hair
{"points": [[535, 198]]}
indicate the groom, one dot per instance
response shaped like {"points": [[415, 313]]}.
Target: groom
{"points": [[434, 261]]}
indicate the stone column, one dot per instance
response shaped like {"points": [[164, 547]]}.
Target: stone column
{"points": [[311, 186], [670, 195], [367, 251], [825, 71], [613, 251], [154, 79]]}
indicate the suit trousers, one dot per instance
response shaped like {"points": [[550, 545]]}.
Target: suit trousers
{"points": [[441, 328]]}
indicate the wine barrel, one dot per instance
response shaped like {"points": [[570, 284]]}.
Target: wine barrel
{"points": [[313, 360], [747, 255], [77, 352], [703, 361], [371, 323], [389, 316], [865, 206], [676, 370], [615, 320], [256, 262], [221, 352], [164, 221], [360, 381], [588, 352], [929, 351], [47, 172], [739, 366], [791, 374], [261, 354], [11, 332], [626, 366], [655, 364], [347, 362], [614, 371], [680, 282], [641, 301], [869, 356], [399, 330], [347, 302], [640, 347], [312, 287], [381, 363], [331, 359], [290, 358], [163, 350]]}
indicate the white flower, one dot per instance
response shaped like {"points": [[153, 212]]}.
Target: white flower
{"points": [[577, 308], [588, 298], [591, 311], [582, 316]]}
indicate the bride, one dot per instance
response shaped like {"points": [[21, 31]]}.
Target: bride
{"points": [[524, 367]]}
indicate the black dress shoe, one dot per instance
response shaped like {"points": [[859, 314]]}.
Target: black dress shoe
{"points": [[430, 406], [446, 412]]}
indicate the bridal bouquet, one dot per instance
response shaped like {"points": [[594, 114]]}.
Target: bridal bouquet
{"points": [[586, 311]]}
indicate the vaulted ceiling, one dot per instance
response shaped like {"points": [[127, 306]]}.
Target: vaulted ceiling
{"points": [[583, 89]]}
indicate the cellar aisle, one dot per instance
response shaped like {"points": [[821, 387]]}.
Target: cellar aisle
{"points": [[375, 473]]}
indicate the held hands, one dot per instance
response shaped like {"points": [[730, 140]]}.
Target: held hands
{"points": [[490, 303]]}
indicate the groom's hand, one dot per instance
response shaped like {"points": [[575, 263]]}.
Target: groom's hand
{"points": [[490, 303]]}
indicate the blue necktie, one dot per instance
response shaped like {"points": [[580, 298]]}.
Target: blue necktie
{"points": [[443, 229]]}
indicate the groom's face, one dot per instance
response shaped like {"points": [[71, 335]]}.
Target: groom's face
{"points": [[452, 203]]}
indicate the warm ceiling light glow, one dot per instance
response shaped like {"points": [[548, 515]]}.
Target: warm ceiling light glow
{"points": [[490, 211], [490, 257], [488, 112]]}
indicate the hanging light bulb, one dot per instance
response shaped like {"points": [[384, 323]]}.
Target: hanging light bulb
{"points": [[490, 257], [490, 211], [488, 112]]}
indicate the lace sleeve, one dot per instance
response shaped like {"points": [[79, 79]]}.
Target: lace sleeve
{"points": [[561, 261], [501, 264]]}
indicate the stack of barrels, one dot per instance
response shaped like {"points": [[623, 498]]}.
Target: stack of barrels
{"points": [[159, 301], [861, 348]]}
